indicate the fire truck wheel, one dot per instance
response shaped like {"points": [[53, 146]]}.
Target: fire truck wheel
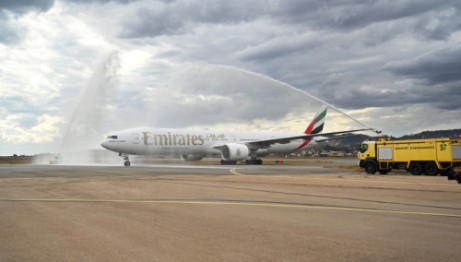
{"points": [[371, 167], [430, 169], [416, 169], [449, 172]]}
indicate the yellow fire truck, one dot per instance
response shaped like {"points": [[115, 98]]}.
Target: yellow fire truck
{"points": [[429, 156]]}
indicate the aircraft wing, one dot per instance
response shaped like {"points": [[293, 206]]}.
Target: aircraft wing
{"points": [[285, 140]]}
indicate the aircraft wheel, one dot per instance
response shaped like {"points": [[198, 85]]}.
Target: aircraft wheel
{"points": [[259, 161], [127, 163]]}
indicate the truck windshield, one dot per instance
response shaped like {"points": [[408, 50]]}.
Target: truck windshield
{"points": [[363, 148]]}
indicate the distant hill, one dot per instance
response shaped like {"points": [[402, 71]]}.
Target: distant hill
{"points": [[452, 133], [350, 143]]}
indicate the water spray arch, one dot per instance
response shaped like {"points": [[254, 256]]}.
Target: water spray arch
{"points": [[187, 95]]}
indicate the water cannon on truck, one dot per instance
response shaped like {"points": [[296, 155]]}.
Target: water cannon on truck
{"points": [[430, 156]]}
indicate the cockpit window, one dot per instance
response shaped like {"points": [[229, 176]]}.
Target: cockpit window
{"points": [[363, 148], [112, 137]]}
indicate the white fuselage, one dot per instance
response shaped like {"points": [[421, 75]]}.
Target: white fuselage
{"points": [[170, 141]]}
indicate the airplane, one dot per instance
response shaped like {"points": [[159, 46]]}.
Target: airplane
{"points": [[233, 146]]}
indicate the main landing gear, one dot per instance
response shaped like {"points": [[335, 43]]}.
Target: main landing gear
{"points": [[225, 162], [127, 162], [247, 162], [253, 162]]}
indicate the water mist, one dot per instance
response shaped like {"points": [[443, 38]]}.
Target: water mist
{"points": [[87, 121]]}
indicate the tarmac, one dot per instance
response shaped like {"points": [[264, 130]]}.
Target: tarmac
{"points": [[298, 211]]}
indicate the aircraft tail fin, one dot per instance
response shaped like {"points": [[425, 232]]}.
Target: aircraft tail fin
{"points": [[316, 126]]}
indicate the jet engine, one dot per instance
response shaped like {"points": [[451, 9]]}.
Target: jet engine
{"points": [[234, 152], [192, 157]]}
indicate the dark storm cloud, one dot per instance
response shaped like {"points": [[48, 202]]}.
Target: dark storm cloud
{"points": [[361, 97], [376, 22], [152, 22], [433, 79], [276, 48], [352, 13], [428, 19], [101, 1], [177, 17], [373, 31], [389, 94], [9, 32], [436, 68], [23, 6], [438, 76], [170, 18]]}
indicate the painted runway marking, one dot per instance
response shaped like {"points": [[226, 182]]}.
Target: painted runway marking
{"points": [[234, 203], [235, 172], [346, 178]]}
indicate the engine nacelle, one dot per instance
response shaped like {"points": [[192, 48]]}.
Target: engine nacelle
{"points": [[192, 157], [234, 152]]}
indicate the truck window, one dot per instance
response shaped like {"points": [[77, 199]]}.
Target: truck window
{"points": [[363, 148]]}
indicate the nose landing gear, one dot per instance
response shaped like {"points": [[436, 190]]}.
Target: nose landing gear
{"points": [[127, 162]]}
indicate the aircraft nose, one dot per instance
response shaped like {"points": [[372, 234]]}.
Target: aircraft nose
{"points": [[105, 144], [110, 142]]}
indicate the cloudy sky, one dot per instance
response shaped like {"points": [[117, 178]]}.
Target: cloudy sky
{"points": [[71, 69]]}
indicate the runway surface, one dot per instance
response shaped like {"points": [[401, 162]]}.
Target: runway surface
{"points": [[169, 212]]}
